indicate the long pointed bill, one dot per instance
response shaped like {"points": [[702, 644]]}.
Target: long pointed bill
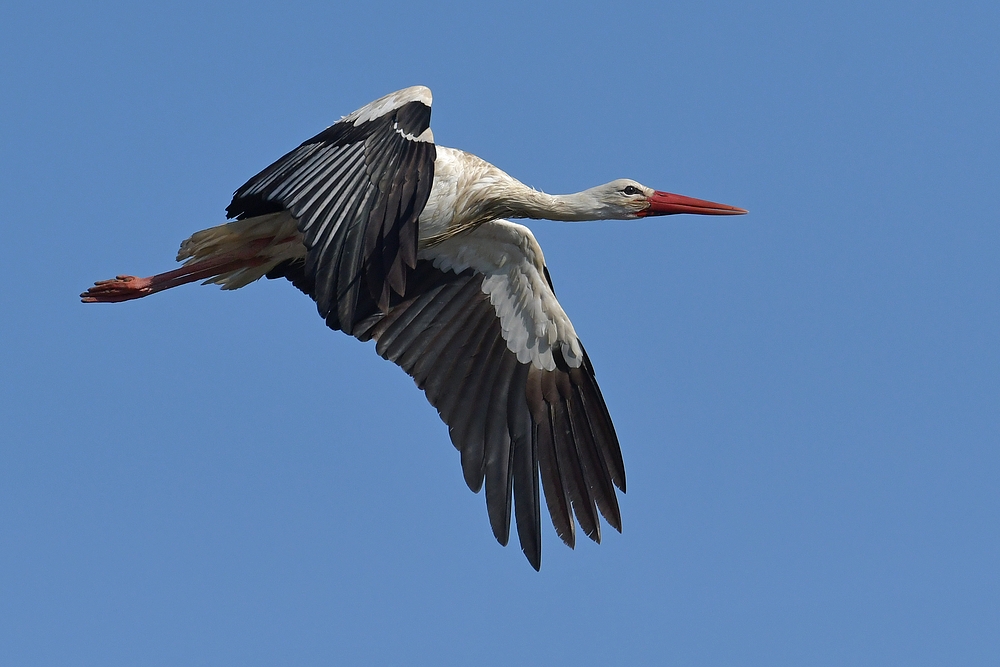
{"points": [[665, 203]]}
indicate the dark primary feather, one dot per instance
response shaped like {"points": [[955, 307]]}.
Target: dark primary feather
{"points": [[512, 422], [357, 192]]}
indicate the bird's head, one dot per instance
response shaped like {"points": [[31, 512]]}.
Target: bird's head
{"points": [[626, 199]]}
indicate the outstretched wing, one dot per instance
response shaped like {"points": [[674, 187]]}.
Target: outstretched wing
{"points": [[480, 331], [357, 190]]}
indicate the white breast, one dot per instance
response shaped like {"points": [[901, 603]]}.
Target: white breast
{"points": [[465, 191]]}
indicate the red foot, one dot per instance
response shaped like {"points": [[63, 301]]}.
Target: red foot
{"points": [[125, 288], [120, 288]]}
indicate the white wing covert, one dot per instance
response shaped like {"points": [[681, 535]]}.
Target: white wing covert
{"points": [[511, 261]]}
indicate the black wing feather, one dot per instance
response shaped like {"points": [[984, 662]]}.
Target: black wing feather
{"points": [[357, 191], [556, 496], [524, 461]]}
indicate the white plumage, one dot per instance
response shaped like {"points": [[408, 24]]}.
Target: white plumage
{"points": [[511, 263], [404, 242]]}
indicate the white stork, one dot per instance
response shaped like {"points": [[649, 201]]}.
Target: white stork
{"points": [[404, 242]]}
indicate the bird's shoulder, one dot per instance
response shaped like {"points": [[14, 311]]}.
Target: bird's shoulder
{"points": [[466, 192]]}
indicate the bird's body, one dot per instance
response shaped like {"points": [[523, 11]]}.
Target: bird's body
{"points": [[406, 243]]}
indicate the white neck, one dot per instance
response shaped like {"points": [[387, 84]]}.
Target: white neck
{"points": [[525, 202], [469, 189]]}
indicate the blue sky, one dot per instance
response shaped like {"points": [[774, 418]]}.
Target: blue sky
{"points": [[807, 397]]}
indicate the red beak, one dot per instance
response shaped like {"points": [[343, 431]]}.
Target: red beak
{"points": [[665, 203]]}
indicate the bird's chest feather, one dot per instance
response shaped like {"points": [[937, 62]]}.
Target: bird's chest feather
{"points": [[461, 196]]}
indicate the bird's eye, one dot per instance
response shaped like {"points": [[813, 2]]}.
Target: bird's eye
{"points": [[631, 190]]}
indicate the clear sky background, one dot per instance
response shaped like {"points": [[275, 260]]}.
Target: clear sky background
{"points": [[808, 397]]}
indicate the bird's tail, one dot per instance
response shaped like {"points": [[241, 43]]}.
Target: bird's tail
{"points": [[230, 255]]}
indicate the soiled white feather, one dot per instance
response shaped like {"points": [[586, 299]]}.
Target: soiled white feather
{"points": [[276, 230]]}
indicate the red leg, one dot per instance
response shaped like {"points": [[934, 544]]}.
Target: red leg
{"points": [[126, 288]]}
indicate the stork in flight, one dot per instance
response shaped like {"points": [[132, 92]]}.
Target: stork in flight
{"points": [[404, 242]]}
